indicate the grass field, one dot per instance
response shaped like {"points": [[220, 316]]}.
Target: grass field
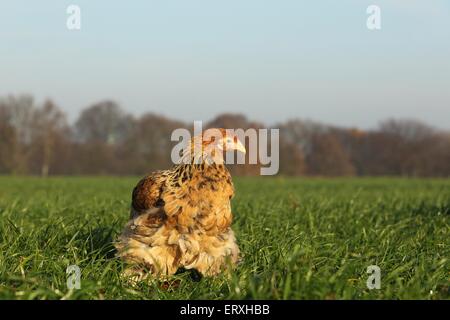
{"points": [[301, 239]]}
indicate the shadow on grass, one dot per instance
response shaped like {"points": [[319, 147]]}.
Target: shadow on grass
{"points": [[194, 275]]}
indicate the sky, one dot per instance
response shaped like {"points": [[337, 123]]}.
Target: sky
{"points": [[270, 60]]}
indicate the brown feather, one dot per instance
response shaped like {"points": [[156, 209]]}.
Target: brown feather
{"points": [[180, 218]]}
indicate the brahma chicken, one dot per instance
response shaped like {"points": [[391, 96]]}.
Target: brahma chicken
{"points": [[181, 217]]}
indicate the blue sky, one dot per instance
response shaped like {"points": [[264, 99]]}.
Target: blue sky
{"points": [[271, 60]]}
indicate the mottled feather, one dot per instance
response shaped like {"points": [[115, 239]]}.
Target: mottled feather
{"points": [[181, 218]]}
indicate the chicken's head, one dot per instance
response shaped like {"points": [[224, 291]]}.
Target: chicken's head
{"points": [[215, 142]]}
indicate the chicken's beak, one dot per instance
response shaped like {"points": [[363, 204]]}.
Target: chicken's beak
{"points": [[240, 147]]}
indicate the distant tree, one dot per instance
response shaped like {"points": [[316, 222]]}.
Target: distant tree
{"points": [[100, 131], [292, 159], [409, 130], [396, 147], [148, 146], [36, 139], [232, 121], [8, 144], [95, 158], [353, 142], [301, 133], [433, 159], [17, 113], [328, 157], [103, 122], [296, 145], [50, 135]]}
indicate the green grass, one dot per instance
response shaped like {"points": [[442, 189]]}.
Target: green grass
{"points": [[301, 239]]}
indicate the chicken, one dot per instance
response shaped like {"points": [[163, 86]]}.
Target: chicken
{"points": [[180, 218]]}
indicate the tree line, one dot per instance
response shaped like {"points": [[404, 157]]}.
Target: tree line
{"points": [[37, 139]]}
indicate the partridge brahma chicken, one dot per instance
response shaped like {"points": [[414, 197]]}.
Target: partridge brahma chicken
{"points": [[180, 218]]}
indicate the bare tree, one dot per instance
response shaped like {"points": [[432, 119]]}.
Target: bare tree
{"points": [[103, 122], [18, 113], [36, 139], [328, 157], [49, 131], [292, 159], [301, 133], [148, 146], [8, 143], [410, 130]]}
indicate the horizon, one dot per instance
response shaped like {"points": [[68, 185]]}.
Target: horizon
{"points": [[71, 119]]}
